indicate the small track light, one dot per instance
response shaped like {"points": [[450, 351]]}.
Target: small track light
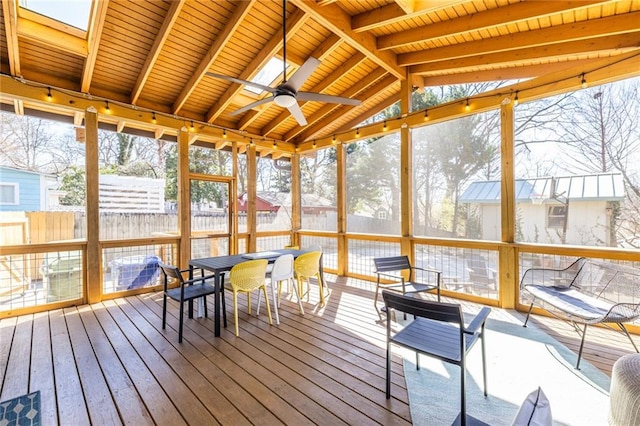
{"points": [[107, 108], [583, 82], [515, 100], [384, 127], [153, 118], [313, 144], [467, 107], [357, 133], [49, 96], [193, 129], [426, 114], [333, 140], [224, 134]]}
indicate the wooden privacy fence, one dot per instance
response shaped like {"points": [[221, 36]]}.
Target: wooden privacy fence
{"points": [[18, 228]]}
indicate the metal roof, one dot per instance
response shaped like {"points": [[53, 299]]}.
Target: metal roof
{"points": [[598, 187]]}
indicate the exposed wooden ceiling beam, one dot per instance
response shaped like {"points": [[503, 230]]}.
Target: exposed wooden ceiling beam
{"points": [[396, 12], [18, 107], [94, 33], [407, 6], [600, 72], [342, 70], [10, 14], [241, 11], [326, 109], [294, 22], [372, 110], [69, 101], [513, 73], [158, 43], [315, 130], [320, 53], [477, 21], [514, 57], [49, 36], [221, 144], [78, 116], [338, 21], [583, 31]]}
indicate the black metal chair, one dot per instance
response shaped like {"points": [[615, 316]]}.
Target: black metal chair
{"points": [[439, 331], [398, 264], [187, 291]]}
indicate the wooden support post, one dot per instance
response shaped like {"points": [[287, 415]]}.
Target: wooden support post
{"points": [[233, 211], [184, 198], [296, 200], [508, 257], [93, 255], [252, 178], [341, 170], [406, 187]]}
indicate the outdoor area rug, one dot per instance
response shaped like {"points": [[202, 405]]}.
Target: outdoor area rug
{"points": [[21, 411], [518, 361]]}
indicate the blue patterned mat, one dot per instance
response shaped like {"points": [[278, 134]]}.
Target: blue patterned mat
{"points": [[23, 410]]}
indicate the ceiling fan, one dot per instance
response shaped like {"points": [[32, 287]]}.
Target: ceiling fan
{"points": [[287, 93]]}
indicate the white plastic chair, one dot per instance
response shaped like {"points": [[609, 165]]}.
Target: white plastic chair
{"points": [[282, 270]]}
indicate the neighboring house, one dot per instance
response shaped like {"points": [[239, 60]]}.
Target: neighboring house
{"points": [[26, 191], [382, 213], [550, 209], [271, 202]]}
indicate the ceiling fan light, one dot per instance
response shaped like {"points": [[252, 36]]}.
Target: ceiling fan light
{"points": [[285, 101]]}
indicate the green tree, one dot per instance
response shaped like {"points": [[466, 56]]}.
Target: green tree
{"points": [[74, 186]]}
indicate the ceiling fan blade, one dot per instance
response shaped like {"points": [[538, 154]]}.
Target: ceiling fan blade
{"points": [[252, 105], [240, 81], [296, 112], [300, 76], [320, 97]]}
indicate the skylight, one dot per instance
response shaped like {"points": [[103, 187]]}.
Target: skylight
{"points": [[71, 12], [267, 75]]}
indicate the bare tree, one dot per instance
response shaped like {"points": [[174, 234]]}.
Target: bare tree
{"points": [[38, 145], [604, 136]]}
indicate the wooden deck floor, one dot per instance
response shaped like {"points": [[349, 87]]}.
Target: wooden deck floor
{"points": [[111, 363]]}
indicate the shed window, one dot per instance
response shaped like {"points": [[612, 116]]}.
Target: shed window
{"points": [[382, 215], [556, 217], [9, 194]]}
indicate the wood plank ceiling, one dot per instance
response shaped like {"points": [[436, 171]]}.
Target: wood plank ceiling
{"points": [[154, 55]]}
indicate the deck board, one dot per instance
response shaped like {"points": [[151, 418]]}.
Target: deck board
{"points": [[128, 402], [16, 379], [101, 406], [40, 374], [149, 390], [69, 396], [111, 362], [161, 361]]}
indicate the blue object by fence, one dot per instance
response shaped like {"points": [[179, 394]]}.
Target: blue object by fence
{"points": [[136, 271]]}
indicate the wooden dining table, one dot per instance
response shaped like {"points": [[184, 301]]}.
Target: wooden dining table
{"points": [[221, 264]]}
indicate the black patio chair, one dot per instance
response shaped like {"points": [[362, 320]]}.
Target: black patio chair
{"points": [[186, 291], [391, 268], [439, 331]]}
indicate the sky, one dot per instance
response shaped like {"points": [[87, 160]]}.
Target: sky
{"points": [[72, 12]]}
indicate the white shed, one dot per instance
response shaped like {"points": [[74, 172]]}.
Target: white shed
{"points": [[576, 209]]}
